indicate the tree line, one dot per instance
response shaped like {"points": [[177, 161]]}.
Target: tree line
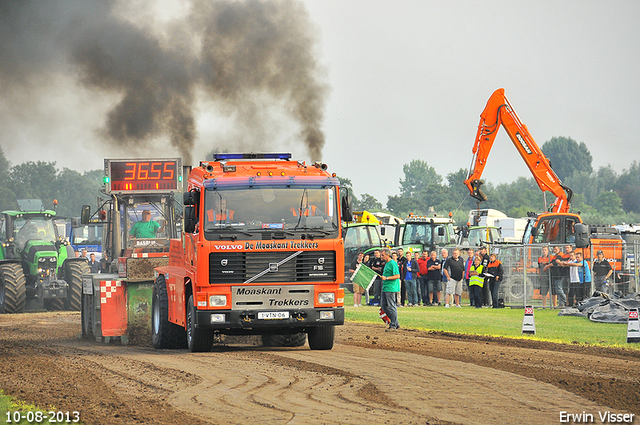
{"points": [[601, 196], [43, 180]]}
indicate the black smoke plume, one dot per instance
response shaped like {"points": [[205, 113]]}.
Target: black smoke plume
{"points": [[244, 56]]}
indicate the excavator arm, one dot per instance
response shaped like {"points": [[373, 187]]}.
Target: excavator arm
{"points": [[499, 111]]}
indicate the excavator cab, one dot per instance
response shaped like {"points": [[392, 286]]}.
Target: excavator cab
{"points": [[553, 228]]}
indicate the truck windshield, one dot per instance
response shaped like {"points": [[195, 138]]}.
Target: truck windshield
{"points": [[87, 234], [271, 208]]}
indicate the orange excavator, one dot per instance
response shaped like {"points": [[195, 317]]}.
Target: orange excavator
{"points": [[499, 111], [555, 226]]}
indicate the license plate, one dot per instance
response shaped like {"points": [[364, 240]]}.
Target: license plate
{"points": [[270, 315]]}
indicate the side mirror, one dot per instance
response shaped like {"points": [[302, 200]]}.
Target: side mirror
{"points": [[190, 198], [85, 215], [190, 219], [582, 235], [534, 232], [440, 231], [382, 231], [346, 207]]}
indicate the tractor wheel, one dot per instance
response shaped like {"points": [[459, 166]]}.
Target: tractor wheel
{"points": [[275, 340], [13, 288], [197, 339], [164, 333], [86, 317], [73, 272], [54, 304], [321, 337]]}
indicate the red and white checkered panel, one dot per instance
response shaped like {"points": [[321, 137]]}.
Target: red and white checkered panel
{"points": [[113, 308]]}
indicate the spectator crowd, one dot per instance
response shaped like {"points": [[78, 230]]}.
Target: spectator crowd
{"points": [[564, 277]]}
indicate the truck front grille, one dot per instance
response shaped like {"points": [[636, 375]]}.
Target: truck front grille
{"points": [[238, 267]]}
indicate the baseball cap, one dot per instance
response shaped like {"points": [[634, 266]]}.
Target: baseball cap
{"points": [[599, 252]]}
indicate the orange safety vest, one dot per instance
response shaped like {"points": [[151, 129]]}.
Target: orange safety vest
{"points": [[305, 211], [219, 217]]}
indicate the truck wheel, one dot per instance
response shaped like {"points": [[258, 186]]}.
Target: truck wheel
{"points": [[321, 337], [73, 272], [164, 333], [13, 288], [197, 339], [274, 340]]}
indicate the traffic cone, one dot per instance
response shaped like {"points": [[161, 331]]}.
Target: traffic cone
{"points": [[633, 326], [528, 323]]}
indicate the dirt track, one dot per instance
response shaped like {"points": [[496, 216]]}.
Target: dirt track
{"points": [[370, 376]]}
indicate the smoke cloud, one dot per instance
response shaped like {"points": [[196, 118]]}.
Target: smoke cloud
{"points": [[254, 60]]}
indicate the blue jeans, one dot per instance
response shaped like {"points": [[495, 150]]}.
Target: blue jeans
{"points": [[388, 305], [424, 289], [557, 283], [412, 291], [475, 295], [495, 288]]}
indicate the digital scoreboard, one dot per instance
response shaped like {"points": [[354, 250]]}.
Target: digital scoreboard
{"points": [[143, 175]]}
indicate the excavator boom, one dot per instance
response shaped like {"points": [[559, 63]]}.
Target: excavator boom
{"points": [[499, 112]]}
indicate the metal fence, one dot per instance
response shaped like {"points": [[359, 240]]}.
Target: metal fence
{"points": [[524, 281]]}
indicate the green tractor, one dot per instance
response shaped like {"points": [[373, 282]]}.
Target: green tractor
{"points": [[38, 267]]}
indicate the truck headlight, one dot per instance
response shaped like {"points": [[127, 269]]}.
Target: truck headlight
{"points": [[217, 300], [326, 298]]}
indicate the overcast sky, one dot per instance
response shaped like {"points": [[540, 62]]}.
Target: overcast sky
{"points": [[408, 80]]}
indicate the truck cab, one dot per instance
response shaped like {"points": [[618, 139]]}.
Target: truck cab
{"points": [[261, 254]]}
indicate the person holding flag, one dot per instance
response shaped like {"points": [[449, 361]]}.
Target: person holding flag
{"points": [[390, 287], [357, 289]]}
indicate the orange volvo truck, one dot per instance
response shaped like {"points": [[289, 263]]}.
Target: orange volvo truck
{"points": [[261, 254], [557, 226]]}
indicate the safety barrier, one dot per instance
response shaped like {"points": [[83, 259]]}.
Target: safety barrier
{"points": [[524, 281]]}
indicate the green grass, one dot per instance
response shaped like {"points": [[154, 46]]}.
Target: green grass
{"points": [[11, 405], [504, 322]]}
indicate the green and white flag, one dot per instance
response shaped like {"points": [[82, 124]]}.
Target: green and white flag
{"points": [[363, 276]]}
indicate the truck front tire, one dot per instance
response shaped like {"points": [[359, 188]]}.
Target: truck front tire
{"points": [[164, 333], [276, 340], [321, 337], [13, 288], [198, 339]]}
